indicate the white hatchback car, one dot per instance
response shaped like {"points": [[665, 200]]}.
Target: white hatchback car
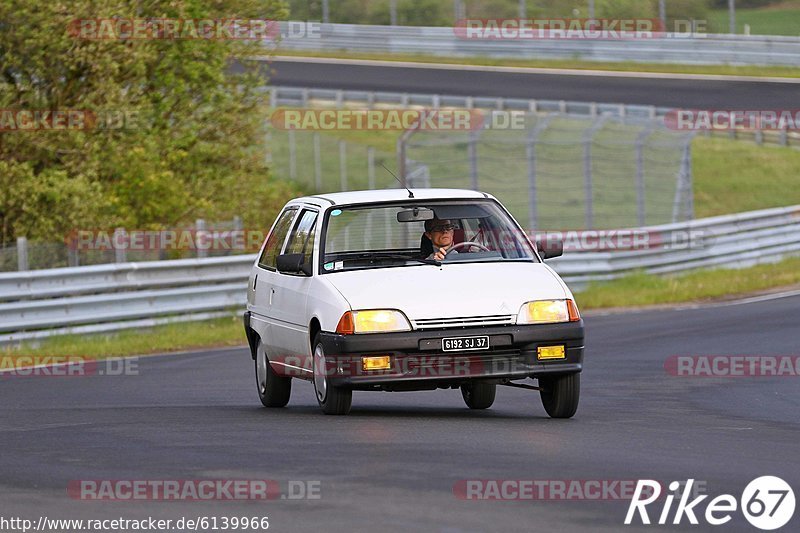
{"points": [[349, 293]]}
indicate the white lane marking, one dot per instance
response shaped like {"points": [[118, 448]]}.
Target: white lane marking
{"points": [[529, 70]]}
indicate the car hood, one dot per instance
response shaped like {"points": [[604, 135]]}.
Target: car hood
{"points": [[449, 291]]}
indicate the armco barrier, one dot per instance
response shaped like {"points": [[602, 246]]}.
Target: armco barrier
{"points": [[443, 42], [101, 298]]}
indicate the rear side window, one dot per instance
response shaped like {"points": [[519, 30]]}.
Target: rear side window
{"points": [[269, 257]]}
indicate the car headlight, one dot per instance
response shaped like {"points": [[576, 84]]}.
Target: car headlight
{"points": [[372, 321], [548, 312]]}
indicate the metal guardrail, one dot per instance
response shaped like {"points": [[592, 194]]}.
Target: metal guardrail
{"points": [[443, 41], [308, 97], [112, 297]]}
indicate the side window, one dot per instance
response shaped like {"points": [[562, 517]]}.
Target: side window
{"points": [[301, 241], [272, 249]]}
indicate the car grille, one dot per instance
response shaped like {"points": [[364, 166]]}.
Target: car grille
{"points": [[464, 322]]}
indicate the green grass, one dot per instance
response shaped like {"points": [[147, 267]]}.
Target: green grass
{"points": [[574, 64], [732, 176], [783, 19], [175, 337], [644, 289]]}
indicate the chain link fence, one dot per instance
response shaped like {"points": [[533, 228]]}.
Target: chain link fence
{"points": [[97, 247], [568, 172]]}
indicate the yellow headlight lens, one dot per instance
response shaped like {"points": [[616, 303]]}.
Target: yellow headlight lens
{"points": [[379, 321], [543, 312]]}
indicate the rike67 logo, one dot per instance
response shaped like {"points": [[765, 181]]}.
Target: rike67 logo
{"points": [[767, 503]]}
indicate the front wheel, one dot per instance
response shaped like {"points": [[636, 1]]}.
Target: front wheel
{"points": [[273, 390], [478, 395], [332, 400], [560, 394]]}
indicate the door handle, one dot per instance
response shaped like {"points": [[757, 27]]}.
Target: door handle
{"points": [[271, 293]]}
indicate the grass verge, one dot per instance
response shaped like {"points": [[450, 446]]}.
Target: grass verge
{"points": [[771, 20], [701, 285], [220, 332], [572, 64], [632, 291]]}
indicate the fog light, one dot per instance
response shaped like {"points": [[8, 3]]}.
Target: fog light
{"points": [[550, 352], [381, 362]]}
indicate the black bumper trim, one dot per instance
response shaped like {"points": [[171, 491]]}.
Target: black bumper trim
{"points": [[416, 356]]}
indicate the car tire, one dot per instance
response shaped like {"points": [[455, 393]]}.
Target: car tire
{"points": [[332, 400], [273, 390], [560, 394], [479, 394]]}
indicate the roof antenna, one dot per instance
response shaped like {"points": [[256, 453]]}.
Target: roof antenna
{"points": [[410, 194]]}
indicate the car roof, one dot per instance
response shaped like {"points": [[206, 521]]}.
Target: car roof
{"points": [[389, 195]]}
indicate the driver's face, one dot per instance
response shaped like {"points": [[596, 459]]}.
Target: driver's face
{"points": [[441, 234]]}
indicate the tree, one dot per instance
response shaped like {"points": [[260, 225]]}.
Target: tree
{"points": [[173, 132]]}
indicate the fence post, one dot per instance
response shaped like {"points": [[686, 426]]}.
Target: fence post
{"points": [[370, 168], [120, 245], [22, 254], [200, 232], [292, 155], [317, 163], [343, 165], [73, 258], [641, 215], [587, 170], [472, 151], [530, 152]]}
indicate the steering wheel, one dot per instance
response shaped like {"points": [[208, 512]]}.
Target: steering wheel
{"points": [[467, 243]]}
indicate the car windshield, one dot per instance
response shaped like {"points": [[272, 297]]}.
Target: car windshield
{"points": [[410, 233]]}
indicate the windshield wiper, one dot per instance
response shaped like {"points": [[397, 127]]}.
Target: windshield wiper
{"points": [[399, 256]]}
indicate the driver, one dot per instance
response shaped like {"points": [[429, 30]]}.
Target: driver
{"points": [[440, 232]]}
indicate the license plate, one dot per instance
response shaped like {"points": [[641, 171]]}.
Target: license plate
{"points": [[453, 344]]}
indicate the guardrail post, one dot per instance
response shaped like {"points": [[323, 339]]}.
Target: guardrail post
{"points": [[784, 138], [343, 165], [199, 236], [120, 245], [317, 163], [22, 254], [273, 97]]}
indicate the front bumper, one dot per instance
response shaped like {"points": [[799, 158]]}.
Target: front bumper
{"points": [[417, 356]]}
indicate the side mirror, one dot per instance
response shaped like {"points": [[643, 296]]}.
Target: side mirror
{"points": [[293, 264], [550, 248]]}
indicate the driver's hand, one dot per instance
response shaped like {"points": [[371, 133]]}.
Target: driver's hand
{"points": [[439, 256]]}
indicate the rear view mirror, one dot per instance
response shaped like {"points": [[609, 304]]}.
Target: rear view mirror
{"points": [[416, 214], [293, 264], [550, 248]]}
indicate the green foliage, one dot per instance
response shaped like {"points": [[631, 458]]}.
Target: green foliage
{"points": [[195, 148]]}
